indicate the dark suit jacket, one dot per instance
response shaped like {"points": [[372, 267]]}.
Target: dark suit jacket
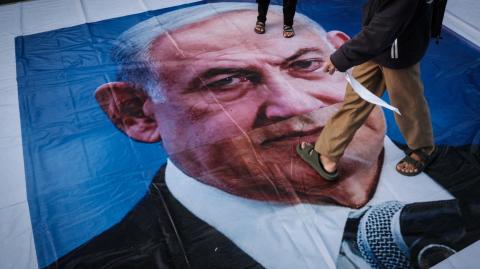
{"points": [[160, 233]]}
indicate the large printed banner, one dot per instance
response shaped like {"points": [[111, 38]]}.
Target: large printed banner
{"points": [[166, 139]]}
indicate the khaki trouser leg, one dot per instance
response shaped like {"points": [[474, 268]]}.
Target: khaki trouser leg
{"points": [[405, 89], [341, 128]]}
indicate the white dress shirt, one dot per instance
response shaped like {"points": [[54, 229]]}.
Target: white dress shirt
{"points": [[293, 236]]}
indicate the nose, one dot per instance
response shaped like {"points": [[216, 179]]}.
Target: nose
{"points": [[285, 99]]}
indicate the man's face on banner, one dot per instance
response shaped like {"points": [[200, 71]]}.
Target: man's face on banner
{"points": [[237, 103]]}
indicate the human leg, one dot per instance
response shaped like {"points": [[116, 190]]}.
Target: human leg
{"points": [[340, 129], [405, 89], [289, 8], [262, 16]]}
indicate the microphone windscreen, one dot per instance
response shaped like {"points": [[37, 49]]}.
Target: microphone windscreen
{"points": [[376, 238]]}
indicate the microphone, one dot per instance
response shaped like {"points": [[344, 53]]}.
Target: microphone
{"points": [[378, 240], [418, 235]]}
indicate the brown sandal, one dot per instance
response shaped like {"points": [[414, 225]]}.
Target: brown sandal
{"points": [[260, 27], [288, 31]]}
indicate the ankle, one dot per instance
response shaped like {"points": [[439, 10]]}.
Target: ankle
{"points": [[429, 150], [327, 161]]}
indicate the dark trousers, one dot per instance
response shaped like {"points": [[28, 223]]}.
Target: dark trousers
{"points": [[289, 7]]}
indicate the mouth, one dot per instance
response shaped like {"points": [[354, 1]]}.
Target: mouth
{"points": [[308, 136], [307, 127], [304, 126]]}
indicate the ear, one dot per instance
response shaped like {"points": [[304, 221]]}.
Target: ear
{"points": [[337, 38], [130, 109]]}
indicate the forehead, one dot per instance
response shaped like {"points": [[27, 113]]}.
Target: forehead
{"points": [[232, 33]]}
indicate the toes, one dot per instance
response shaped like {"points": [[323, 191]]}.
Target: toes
{"points": [[406, 168], [409, 169], [304, 144]]}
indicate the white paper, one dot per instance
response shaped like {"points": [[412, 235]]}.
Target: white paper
{"points": [[368, 96]]}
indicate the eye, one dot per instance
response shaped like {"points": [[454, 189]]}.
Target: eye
{"points": [[306, 65], [225, 82], [222, 82]]}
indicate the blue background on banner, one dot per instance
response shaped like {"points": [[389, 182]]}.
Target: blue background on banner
{"points": [[83, 175]]}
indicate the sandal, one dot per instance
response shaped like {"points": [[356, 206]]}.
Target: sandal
{"points": [[260, 27], [288, 31], [309, 155], [420, 165]]}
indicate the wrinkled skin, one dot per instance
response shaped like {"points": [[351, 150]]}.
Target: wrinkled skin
{"points": [[236, 109]]}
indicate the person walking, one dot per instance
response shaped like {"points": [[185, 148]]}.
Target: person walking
{"points": [[386, 54]]}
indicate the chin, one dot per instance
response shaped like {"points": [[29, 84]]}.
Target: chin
{"points": [[354, 189], [360, 168], [296, 182]]}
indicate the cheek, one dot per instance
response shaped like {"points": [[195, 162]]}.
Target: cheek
{"points": [[183, 132], [332, 92], [338, 85], [234, 117], [189, 122]]}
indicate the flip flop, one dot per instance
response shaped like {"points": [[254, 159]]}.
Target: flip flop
{"points": [[310, 156]]}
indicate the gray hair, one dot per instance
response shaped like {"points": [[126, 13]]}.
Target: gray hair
{"points": [[131, 51]]}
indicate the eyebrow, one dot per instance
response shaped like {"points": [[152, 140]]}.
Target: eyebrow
{"points": [[301, 52], [220, 71], [212, 72]]}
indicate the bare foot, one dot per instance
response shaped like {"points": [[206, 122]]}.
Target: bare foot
{"points": [[260, 27], [288, 31], [410, 167], [327, 163]]}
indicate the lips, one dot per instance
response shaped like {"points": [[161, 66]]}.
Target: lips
{"points": [[309, 137], [304, 125]]}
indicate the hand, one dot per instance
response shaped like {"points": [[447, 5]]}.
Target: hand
{"points": [[328, 67]]}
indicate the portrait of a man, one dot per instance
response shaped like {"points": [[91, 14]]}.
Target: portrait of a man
{"points": [[229, 114], [228, 108]]}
